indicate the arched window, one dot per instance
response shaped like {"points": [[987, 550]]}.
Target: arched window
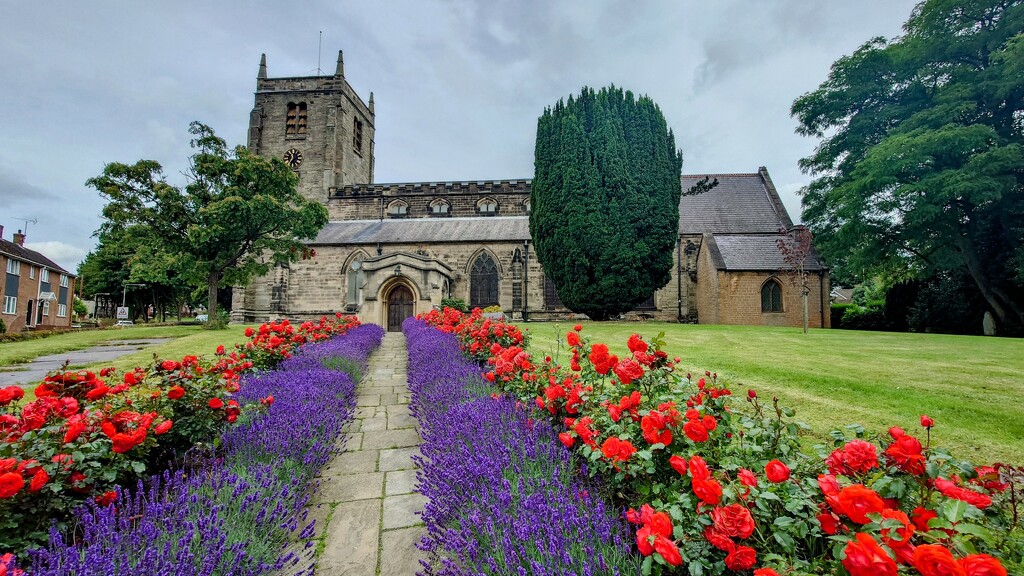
{"points": [[398, 209], [483, 282], [355, 278], [440, 207], [517, 280], [551, 299], [526, 205], [487, 207], [771, 296], [296, 120]]}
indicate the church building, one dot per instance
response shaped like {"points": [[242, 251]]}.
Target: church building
{"points": [[390, 251]]}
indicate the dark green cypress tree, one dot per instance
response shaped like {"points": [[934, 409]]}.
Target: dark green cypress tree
{"points": [[605, 201]]}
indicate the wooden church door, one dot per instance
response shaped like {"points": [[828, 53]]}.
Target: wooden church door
{"points": [[399, 307]]}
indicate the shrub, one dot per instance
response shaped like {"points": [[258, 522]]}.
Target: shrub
{"points": [[715, 485], [456, 303], [871, 317]]}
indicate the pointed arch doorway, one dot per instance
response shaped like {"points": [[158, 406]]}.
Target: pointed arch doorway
{"points": [[399, 306]]}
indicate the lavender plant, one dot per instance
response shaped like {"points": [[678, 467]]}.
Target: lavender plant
{"points": [[234, 511], [503, 495]]}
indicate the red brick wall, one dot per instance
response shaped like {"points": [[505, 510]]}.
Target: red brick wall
{"points": [[28, 290]]}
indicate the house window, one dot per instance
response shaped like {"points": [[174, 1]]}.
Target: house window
{"points": [[398, 209], [46, 307], [551, 299], [44, 275], [357, 135], [647, 304], [487, 207], [62, 310], [13, 266], [10, 304], [31, 271], [63, 281], [483, 282], [771, 296], [297, 120], [440, 207]]}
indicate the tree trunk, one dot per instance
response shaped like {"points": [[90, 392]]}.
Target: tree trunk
{"points": [[804, 298], [1006, 311], [211, 299]]}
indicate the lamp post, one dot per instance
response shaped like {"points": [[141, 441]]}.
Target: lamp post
{"points": [[526, 280]]}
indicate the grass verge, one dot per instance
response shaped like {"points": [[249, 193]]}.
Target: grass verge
{"points": [[12, 353], [973, 386]]}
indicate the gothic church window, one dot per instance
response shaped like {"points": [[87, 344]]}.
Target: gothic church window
{"points": [[398, 209], [440, 207], [357, 135], [483, 282], [487, 207], [297, 119], [771, 296]]}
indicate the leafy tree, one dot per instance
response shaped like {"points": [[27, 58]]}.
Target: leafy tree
{"points": [[238, 214], [796, 245], [605, 200], [920, 166]]}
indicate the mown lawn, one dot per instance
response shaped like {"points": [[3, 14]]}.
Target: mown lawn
{"points": [[972, 386], [187, 340]]}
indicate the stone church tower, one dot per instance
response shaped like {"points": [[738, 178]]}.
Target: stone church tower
{"points": [[321, 128]]}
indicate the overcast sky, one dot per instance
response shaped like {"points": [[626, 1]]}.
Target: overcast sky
{"points": [[458, 85]]}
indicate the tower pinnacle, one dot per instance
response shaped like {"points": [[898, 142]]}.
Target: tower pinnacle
{"points": [[340, 70], [263, 67], [371, 102]]}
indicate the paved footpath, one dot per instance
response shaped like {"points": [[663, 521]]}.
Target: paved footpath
{"points": [[366, 507]]}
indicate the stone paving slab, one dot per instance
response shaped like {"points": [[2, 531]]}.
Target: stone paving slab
{"points": [[367, 499]]}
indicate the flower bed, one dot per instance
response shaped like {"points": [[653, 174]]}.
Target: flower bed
{"points": [[503, 495], [175, 410], [717, 485]]}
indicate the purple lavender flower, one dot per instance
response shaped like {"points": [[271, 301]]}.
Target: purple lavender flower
{"points": [[232, 511], [504, 498]]}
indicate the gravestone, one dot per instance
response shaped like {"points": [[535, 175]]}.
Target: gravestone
{"points": [[988, 324]]}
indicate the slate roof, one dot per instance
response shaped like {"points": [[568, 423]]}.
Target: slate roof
{"points": [[425, 230], [752, 252], [12, 250], [740, 204]]}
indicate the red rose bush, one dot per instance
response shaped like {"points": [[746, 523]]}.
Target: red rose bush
{"points": [[718, 485]]}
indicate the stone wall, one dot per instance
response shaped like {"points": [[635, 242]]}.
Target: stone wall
{"points": [[367, 202]]}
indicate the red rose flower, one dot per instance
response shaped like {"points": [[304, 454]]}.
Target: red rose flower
{"points": [[765, 572], [678, 464], [216, 403], [643, 540], [709, 491], [982, 565], [906, 453], [776, 471], [695, 430], [733, 520], [220, 350], [898, 539], [169, 365], [699, 468], [567, 439], [951, 490], [669, 552], [573, 339], [921, 516], [719, 540], [162, 428], [249, 332], [709, 423], [75, 430], [935, 560], [746, 477], [107, 498], [864, 557], [39, 479], [829, 523], [740, 559], [175, 392], [927, 421], [578, 327], [857, 501], [10, 484]]}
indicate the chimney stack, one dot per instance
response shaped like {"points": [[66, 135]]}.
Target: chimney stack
{"points": [[19, 238], [1, 231]]}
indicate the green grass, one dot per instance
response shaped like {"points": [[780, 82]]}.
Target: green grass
{"points": [[196, 342], [12, 353], [973, 386]]}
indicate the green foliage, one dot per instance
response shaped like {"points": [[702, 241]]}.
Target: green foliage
{"points": [[456, 303], [948, 303], [3, 326], [604, 204], [918, 168], [870, 317], [79, 307], [238, 214]]}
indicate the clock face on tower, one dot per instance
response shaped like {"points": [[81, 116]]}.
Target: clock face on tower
{"points": [[293, 158]]}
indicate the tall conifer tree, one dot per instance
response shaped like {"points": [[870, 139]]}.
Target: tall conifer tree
{"points": [[605, 200]]}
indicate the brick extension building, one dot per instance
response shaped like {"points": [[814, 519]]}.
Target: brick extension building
{"points": [[392, 250], [36, 292]]}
